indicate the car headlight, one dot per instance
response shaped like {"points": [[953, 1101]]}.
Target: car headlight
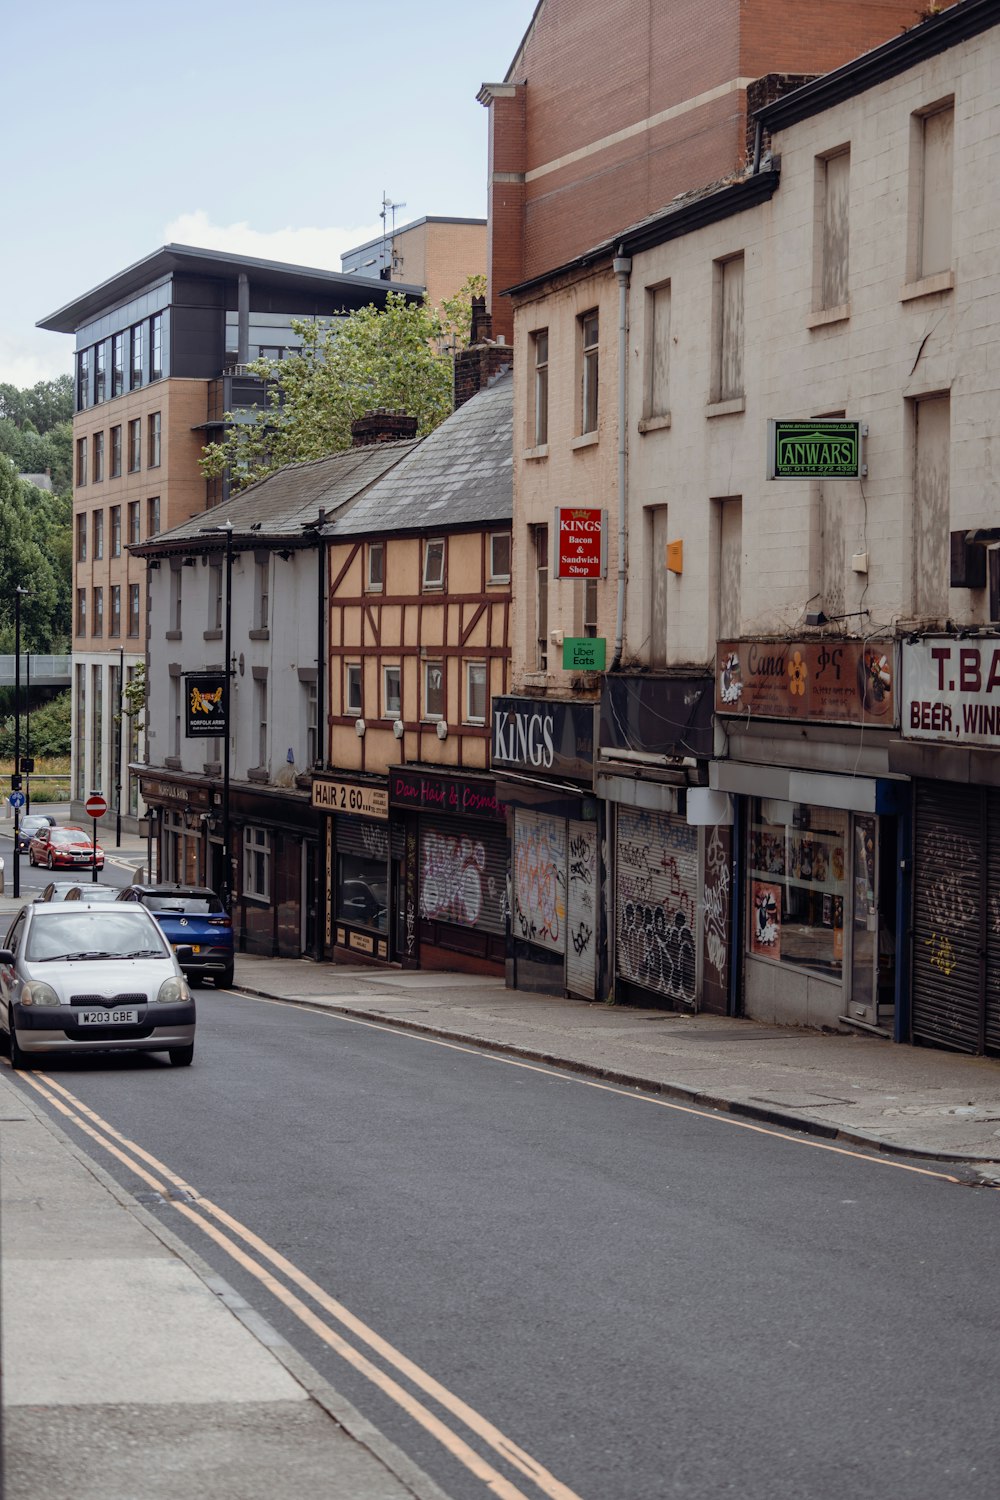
{"points": [[37, 993], [174, 990]]}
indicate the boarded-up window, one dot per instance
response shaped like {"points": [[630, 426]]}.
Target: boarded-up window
{"points": [[729, 586], [657, 398], [835, 177], [727, 374], [931, 508], [933, 187], [656, 538]]}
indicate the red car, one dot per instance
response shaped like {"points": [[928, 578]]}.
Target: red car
{"points": [[64, 849]]}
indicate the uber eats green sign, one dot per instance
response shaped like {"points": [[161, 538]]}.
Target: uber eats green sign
{"points": [[815, 450]]}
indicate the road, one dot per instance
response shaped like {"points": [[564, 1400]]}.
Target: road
{"points": [[118, 868], [543, 1286]]}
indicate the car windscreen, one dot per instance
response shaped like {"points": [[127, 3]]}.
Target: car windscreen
{"points": [[201, 906], [68, 836], [65, 933]]}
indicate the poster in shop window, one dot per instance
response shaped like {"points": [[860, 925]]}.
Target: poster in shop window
{"points": [[765, 918]]}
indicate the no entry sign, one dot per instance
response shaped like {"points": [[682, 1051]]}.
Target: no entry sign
{"points": [[95, 805]]}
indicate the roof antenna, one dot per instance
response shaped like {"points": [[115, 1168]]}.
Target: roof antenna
{"points": [[388, 209]]}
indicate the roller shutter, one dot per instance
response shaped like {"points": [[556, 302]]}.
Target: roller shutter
{"points": [[948, 938], [463, 873], [581, 910], [539, 879], [656, 899], [993, 925]]}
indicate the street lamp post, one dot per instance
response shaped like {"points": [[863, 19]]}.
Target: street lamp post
{"points": [[19, 593], [120, 742], [227, 646]]}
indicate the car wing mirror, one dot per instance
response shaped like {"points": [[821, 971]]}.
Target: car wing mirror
{"points": [[6, 957], [184, 953]]}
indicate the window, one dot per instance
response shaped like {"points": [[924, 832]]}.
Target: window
{"points": [[590, 607], [475, 692], [133, 522], [83, 380], [391, 701], [98, 527], [81, 611], [262, 573], [116, 610], [133, 609], [136, 336], [540, 548], [81, 537], [656, 552], [118, 365], [499, 571], [98, 462], [134, 446], [932, 503], [80, 734], [727, 354], [153, 441], [539, 434], [116, 453], [729, 568], [375, 578], [352, 688], [656, 397], [98, 627], [176, 706], [156, 347], [833, 174], [116, 531], [152, 517], [931, 192], [256, 863], [215, 596], [798, 870], [434, 565], [433, 690], [176, 598], [260, 696], [81, 461], [100, 373], [312, 722], [588, 335], [97, 728]]}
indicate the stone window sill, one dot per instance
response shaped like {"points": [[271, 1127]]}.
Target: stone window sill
{"points": [[212, 635], [726, 408], [828, 315], [256, 773], [655, 424], [259, 635], [174, 635], [542, 451], [586, 440], [943, 281], [173, 763]]}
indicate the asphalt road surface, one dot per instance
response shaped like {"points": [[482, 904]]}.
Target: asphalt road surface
{"points": [[541, 1286]]}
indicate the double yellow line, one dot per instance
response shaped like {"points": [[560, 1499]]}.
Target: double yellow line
{"points": [[267, 1264]]}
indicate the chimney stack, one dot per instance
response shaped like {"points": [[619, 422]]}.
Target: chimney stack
{"points": [[382, 426]]}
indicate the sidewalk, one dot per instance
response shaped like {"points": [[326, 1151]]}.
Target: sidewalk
{"points": [[130, 1369]]}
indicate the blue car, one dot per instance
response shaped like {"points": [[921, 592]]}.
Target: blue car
{"points": [[191, 916]]}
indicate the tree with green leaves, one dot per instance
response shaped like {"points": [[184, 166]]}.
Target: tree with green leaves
{"points": [[36, 429], [391, 358], [35, 528]]}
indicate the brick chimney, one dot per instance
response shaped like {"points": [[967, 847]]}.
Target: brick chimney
{"points": [[382, 426], [480, 364]]}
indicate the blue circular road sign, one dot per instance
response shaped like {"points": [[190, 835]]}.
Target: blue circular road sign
{"points": [[16, 799]]}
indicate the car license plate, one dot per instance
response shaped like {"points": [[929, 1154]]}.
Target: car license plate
{"points": [[195, 947], [108, 1017]]}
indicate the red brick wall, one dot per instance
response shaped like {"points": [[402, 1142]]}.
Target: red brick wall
{"points": [[591, 68]]}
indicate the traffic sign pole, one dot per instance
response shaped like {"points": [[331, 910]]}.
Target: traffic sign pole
{"points": [[95, 806]]}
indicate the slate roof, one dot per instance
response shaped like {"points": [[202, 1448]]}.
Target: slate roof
{"points": [[278, 507], [459, 476]]}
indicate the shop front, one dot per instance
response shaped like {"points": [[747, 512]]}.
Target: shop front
{"points": [[542, 752], [822, 828], [453, 908], [671, 850], [364, 868], [950, 746]]}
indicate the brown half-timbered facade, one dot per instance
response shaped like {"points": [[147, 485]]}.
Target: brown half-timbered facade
{"points": [[419, 644]]}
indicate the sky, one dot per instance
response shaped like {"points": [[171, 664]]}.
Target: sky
{"points": [[260, 128]]}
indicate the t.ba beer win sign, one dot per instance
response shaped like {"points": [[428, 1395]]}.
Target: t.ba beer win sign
{"points": [[581, 542]]}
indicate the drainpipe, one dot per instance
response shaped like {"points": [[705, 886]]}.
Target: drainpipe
{"points": [[758, 137], [622, 265]]}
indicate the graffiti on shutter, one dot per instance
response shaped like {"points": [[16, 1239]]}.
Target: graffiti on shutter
{"points": [[581, 910], [540, 880], [463, 875], [656, 879]]}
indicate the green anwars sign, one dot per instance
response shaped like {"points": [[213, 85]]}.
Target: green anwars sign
{"points": [[815, 450]]}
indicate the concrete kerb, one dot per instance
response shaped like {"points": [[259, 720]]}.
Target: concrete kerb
{"points": [[695, 1098], [336, 1406]]}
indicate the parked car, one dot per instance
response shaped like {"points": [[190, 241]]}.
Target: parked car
{"points": [[92, 891], [56, 890], [191, 916], [28, 826], [64, 848], [76, 977]]}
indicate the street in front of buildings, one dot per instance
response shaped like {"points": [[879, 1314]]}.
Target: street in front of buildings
{"points": [[535, 1282]]}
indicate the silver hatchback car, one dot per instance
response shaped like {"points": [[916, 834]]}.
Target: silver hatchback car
{"points": [[76, 977]]}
